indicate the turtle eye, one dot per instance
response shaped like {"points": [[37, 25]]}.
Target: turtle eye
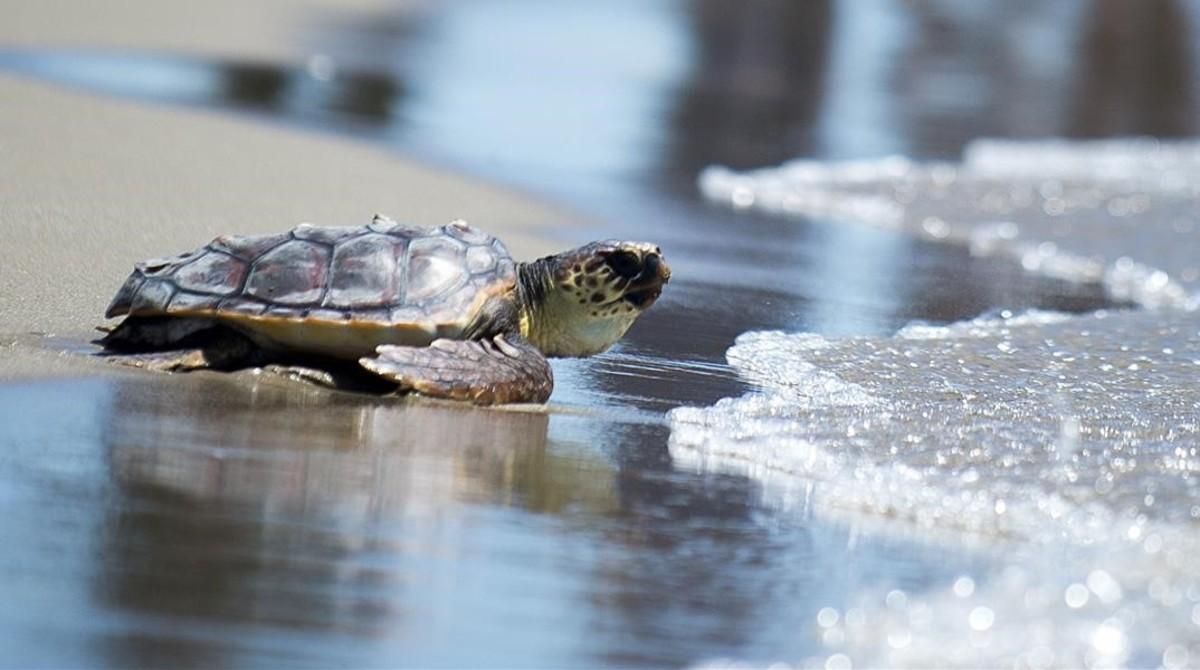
{"points": [[625, 264]]}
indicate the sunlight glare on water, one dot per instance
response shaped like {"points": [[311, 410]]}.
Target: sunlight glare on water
{"points": [[1068, 441]]}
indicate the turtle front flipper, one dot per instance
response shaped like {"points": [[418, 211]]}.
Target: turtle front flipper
{"points": [[488, 371]]}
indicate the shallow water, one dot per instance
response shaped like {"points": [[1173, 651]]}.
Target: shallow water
{"points": [[213, 520], [1069, 441], [1072, 436]]}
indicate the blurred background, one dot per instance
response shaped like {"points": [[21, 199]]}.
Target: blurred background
{"points": [[376, 536], [657, 90]]}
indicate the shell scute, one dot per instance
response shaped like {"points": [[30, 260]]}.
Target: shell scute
{"points": [[480, 259], [157, 267], [379, 316], [383, 224], [365, 272], [242, 306], [214, 273], [281, 312], [327, 314], [466, 232], [388, 226], [186, 301], [506, 269], [435, 269], [293, 273], [152, 296], [406, 314], [247, 247], [326, 234]]}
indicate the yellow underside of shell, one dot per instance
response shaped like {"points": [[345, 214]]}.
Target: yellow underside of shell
{"points": [[349, 339]]}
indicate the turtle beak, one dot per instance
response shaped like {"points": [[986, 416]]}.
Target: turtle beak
{"points": [[657, 266], [648, 285]]}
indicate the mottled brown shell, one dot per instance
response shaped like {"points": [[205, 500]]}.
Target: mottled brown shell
{"points": [[379, 275]]}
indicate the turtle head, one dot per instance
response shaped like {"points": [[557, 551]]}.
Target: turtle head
{"points": [[581, 301]]}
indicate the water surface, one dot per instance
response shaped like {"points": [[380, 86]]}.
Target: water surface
{"points": [[215, 520]]}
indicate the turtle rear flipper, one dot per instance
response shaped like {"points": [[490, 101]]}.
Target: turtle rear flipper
{"points": [[487, 371]]}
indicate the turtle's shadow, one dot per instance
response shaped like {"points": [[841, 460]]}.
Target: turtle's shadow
{"points": [[221, 348]]}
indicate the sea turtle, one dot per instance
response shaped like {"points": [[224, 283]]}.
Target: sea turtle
{"points": [[443, 312]]}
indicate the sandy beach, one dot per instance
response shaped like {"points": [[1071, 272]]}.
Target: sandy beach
{"points": [[265, 30], [92, 185]]}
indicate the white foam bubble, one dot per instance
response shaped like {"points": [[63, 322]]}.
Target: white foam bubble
{"points": [[1118, 212], [1075, 435]]}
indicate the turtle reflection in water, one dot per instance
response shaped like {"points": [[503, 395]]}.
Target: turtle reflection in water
{"points": [[444, 312]]}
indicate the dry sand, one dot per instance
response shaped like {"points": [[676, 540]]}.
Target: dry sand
{"points": [[89, 185], [274, 30]]}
